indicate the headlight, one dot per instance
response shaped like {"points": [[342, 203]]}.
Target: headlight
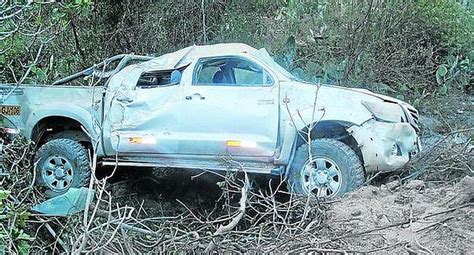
{"points": [[389, 112], [395, 150]]}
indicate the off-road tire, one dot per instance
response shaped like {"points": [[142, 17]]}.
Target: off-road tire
{"points": [[347, 160], [74, 152]]}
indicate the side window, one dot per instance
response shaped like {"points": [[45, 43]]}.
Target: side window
{"points": [[159, 78], [231, 71], [207, 74]]}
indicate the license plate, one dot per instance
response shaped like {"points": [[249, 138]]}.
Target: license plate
{"points": [[10, 109]]}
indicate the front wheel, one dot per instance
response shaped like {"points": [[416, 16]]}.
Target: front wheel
{"points": [[60, 165], [332, 170]]}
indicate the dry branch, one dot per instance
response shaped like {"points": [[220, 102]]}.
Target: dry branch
{"points": [[226, 228]]}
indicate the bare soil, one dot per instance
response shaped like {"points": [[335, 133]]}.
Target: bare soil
{"points": [[400, 217]]}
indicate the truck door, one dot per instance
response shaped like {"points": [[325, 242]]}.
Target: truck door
{"points": [[229, 108], [143, 112]]}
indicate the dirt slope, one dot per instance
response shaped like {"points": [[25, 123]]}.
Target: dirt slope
{"points": [[438, 219]]}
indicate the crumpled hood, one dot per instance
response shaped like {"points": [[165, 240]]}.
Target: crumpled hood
{"points": [[359, 91], [380, 96], [340, 103]]}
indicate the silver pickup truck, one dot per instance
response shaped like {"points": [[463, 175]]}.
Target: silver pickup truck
{"points": [[198, 107]]}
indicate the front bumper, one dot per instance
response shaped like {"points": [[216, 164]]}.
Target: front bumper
{"points": [[386, 146]]}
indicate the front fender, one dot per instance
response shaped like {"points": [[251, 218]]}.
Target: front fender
{"points": [[301, 120]]}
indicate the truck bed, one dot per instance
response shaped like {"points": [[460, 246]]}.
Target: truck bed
{"points": [[23, 105]]}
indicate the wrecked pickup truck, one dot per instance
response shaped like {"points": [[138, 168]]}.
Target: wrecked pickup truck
{"points": [[192, 108]]}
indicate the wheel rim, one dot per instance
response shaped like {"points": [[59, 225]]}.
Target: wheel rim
{"points": [[57, 173], [321, 177]]}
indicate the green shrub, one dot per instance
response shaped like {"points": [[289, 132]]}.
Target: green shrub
{"points": [[13, 239], [390, 45]]}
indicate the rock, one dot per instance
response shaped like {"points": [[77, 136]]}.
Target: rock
{"points": [[415, 184], [392, 185]]}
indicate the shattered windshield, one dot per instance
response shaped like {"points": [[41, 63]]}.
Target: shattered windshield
{"points": [[263, 55]]}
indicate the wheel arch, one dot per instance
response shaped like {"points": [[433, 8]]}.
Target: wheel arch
{"points": [[51, 126], [65, 116], [335, 129]]}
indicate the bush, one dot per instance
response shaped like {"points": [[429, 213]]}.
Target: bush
{"points": [[385, 45]]}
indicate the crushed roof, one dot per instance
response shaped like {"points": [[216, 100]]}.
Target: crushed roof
{"points": [[185, 56]]}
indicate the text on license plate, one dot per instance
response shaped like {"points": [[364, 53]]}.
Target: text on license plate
{"points": [[10, 109]]}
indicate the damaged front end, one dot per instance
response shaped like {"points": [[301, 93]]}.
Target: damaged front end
{"points": [[390, 139]]}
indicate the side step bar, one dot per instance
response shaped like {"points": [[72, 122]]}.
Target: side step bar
{"points": [[263, 168]]}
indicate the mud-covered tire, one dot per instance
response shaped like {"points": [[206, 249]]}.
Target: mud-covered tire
{"points": [[62, 164], [336, 157]]}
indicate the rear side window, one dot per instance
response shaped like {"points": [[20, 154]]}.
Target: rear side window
{"points": [[207, 73], [159, 78], [231, 71]]}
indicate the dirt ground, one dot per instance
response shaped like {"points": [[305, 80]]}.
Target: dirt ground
{"points": [[412, 218]]}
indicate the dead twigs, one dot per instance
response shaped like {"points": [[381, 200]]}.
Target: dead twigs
{"points": [[226, 228], [448, 159]]}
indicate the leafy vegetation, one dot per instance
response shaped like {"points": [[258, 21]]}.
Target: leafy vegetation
{"points": [[12, 233], [383, 45]]}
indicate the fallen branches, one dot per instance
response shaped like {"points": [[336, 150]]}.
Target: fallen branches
{"points": [[267, 219], [253, 219], [17, 163], [450, 158], [226, 228]]}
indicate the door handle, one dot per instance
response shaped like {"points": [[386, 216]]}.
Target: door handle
{"points": [[195, 95], [125, 100]]}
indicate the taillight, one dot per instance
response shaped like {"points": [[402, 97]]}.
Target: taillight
{"points": [[12, 131]]}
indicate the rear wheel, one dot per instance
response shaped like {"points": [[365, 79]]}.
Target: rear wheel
{"points": [[332, 170], [62, 164]]}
